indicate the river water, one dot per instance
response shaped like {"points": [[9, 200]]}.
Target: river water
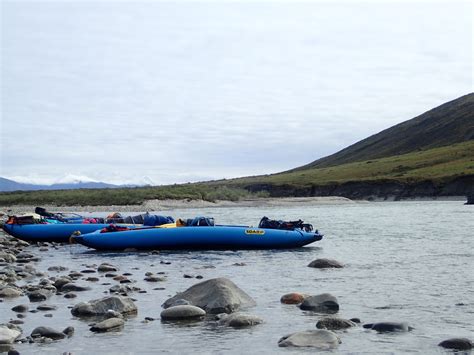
{"points": [[404, 261]]}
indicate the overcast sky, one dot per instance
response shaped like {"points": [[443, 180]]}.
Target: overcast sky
{"points": [[124, 92]]}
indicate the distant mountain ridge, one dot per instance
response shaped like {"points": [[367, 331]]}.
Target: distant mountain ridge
{"points": [[450, 123], [11, 185]]}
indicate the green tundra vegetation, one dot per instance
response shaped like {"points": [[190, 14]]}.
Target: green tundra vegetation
{"points": [[436, 164], [435, 147], [124, 196]]}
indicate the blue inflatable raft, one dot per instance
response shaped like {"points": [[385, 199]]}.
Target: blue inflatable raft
{"points": [[199, 237]]}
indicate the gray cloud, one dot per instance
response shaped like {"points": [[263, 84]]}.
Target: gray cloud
{"points": [[191, 91]]}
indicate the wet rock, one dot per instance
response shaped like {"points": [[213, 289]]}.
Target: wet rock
{"points": [[10, 292], [7, 257], [88, 271], [457, 344], [113, 314], [60, 282], [69, 287], [239, 320], [75, 275], [187, 276], [325, 264], [21, 308], [355, 320], [92, 279], [105, 267], [46, 307], [13, 352], [8, 334], [121, 289], [39, 295], [120, 278], [320, 339], [182, 312], [47, 332], [24, 257], [292, 298], [179, 302], [16, 321], [108, 325], [331, 323], [100, 307], [324, 302], [69, 331], [155, 278], [215, 296], [49, 315], [389, 327], [70, 295], [110, 274], [57, 268]]}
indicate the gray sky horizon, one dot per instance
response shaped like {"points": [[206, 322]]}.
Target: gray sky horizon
{"points": [[140, 92]]}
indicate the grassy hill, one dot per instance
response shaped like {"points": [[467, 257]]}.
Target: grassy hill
{"points": [[429, 155], [450, 123], [446, 170]]}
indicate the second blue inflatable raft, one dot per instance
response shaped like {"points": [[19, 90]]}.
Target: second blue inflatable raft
{"points": [[201, 237]]}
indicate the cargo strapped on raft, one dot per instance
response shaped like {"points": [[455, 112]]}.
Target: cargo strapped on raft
{"points": [[268, 223]]}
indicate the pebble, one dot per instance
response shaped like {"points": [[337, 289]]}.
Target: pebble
{"points": [[105, 267], [325, 264], [457, 344], [88, 271], [108, 325], [46, 307], [182, 312], [21, 308], [292, 298]]}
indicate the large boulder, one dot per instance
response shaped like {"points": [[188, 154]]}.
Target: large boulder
{"points": [[325, 264], [239, 320], [332, 323], [318, 338], [215, 296], [108, 325], [457, 344], [100, 307], [182, 312], [8, 335], [325, 303], [383, 327], [47, 332]]}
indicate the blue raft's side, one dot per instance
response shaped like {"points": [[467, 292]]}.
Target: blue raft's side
{"points": [[208, 238], [59, 233]]}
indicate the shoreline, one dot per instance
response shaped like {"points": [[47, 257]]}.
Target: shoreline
{"points": [[157, 205]]}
